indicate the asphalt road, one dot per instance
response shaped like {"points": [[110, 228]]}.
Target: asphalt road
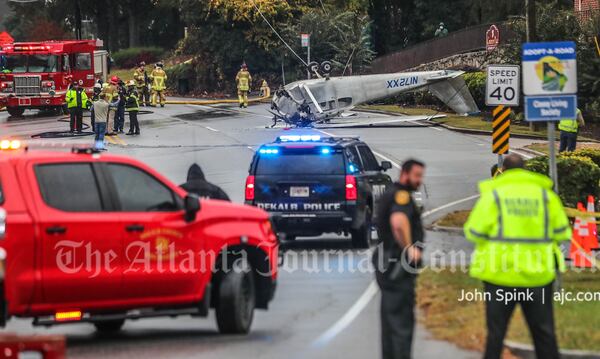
{"points": [[317, 313]]}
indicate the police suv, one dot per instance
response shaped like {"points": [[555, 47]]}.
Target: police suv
{"points": [[312, 185]]}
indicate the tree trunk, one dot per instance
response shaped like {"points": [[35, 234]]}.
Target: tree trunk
{"points": [[132, 22]]}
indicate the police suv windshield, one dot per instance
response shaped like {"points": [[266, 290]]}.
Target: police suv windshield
{"points": [[302, 162]]}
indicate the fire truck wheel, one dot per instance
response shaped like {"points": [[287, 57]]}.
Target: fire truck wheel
{"points": [[15, 111], [236, 302], [109, 326]]}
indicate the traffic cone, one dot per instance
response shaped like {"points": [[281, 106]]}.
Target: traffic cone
{"points": [[579, 254]]}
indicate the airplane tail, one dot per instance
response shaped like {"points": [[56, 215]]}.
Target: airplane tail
{"points": [[454, 92]]}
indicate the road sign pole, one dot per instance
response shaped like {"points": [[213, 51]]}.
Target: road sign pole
{"points": [[500, 131], [552, 150]]}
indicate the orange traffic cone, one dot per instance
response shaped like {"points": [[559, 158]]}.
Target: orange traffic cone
{"points": [[592, 242], [579, 254]]}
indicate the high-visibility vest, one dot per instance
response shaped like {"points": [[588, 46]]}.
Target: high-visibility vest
{"points": [[139, 77], [516, 226], [570, 125], [158, 79], [132, 103], [71, 98]]}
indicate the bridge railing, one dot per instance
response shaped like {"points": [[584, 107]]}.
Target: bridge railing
{"points": [[457, 42]]}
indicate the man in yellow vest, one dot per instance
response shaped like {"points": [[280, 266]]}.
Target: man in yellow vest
{"points": [[568, 132], [76, 99], [517, 226], [159, 79], [243, 80]]}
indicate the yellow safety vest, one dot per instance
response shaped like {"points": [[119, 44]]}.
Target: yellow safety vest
{"points": [[71, 99], [569, 125], [516, 226]]}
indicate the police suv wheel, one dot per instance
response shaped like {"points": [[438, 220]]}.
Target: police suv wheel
{"points": [[236, 302], [361, 237], [109, 326]]}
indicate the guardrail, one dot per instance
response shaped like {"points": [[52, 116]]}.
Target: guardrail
{"points": [[470, 39]]}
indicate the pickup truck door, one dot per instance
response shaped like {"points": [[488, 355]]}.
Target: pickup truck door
{"points": [[81, 244], [163, 257]]}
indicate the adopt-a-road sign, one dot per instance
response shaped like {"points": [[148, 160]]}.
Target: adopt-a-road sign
{"points": [[550, 108], [549, 68]]}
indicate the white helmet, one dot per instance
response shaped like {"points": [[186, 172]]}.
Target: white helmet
{"points": [[97, 86]]}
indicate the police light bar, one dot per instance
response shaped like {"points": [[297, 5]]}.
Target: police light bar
{"points": [[268, 151], [299, 138]]}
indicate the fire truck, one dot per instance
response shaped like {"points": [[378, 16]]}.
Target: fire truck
{"points": [[37, 75]]}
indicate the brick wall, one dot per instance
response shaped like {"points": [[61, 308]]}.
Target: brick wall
{"points": [[586, 5]]}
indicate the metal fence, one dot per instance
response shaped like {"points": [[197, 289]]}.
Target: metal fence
{"points": [[457, 42]]}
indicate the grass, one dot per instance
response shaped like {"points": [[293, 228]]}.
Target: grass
{"points": [[543, 147], [127, 74], [463, 323], [454, 219]]}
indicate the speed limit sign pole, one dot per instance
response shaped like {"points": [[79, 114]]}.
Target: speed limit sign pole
{"points": [[501, 92]]}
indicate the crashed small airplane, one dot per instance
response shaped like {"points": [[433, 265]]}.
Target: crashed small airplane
{"points": [[304, 103]]}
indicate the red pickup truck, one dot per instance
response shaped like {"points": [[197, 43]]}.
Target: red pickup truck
{"points": [[97, 238]]}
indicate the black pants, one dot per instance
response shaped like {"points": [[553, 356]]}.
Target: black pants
{"points": [[568, 141], [538, 312], [397, 316], [76, 116], [134, 125]]}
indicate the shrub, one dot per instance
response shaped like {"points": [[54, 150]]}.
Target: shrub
{"points": [[578, 176], [476, 83], [183, 71], [129, 58], [592, 154]]}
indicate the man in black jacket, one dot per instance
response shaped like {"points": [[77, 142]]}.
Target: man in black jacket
{"points": [[197, 184]]}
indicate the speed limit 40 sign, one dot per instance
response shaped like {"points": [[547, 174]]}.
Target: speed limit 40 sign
{"points": [[502, 85]]}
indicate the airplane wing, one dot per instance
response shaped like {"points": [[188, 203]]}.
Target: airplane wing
{"points": [[453, 91]]}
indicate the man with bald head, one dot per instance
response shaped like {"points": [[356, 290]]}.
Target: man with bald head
{"points": [[517, 226]]}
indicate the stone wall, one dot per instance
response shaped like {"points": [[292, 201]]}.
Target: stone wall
{"points": [[466, 61]]}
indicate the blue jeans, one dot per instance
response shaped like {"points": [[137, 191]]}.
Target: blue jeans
{"points": [[120, 119], [100, 129]]}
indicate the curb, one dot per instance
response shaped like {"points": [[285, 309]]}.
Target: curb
{"points": [[457, 230], [526, 351], [531, 152]]}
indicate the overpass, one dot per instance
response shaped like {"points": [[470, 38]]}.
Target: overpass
{"points": [[462, 49]]}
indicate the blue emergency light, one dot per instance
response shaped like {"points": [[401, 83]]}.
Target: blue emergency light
{"points": [[268, 151], [299, 138], [325, 150]]}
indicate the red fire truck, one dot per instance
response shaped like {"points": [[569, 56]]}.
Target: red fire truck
{"points": [[37, 75]]}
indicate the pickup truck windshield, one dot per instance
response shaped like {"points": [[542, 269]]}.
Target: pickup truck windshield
{"points": [[17, 63], [301, 162]]}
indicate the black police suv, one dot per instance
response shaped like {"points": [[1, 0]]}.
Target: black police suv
{"points": [[313, 185]]}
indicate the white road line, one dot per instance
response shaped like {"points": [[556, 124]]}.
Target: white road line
{"points": [[350, 315], [212, 129], [387, 159], [367, 295]]}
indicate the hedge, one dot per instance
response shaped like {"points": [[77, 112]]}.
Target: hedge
{"points": [[475, 81], [578, 174], [131, 57]]}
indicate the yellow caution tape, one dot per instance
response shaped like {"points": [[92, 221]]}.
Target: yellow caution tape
{"points": [[572, 213], [582, 251]]}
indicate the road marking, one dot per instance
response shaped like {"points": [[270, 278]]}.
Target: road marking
{"points": [[367, 295], [387, 159], [120, 141], [111, 140], [347, 318], [211, 129]]}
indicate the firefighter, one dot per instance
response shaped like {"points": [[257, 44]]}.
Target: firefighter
{"points": [[95, 97], [112, 97], [133, 107], [141, 83], [159, 77], [243, 80], [76, 101]]}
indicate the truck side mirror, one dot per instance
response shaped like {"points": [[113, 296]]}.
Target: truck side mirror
{"points": [[386, 165], [191, 206]]}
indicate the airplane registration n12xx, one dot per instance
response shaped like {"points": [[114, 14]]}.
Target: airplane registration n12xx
{"points": [[315, 101]]}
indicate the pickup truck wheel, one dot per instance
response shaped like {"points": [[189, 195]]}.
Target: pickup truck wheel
{"points": [[15, 111], [361, 237], [109, 326], [235, 308]]}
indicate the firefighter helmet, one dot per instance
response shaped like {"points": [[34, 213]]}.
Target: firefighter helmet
{"points": [[114, 80]]}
